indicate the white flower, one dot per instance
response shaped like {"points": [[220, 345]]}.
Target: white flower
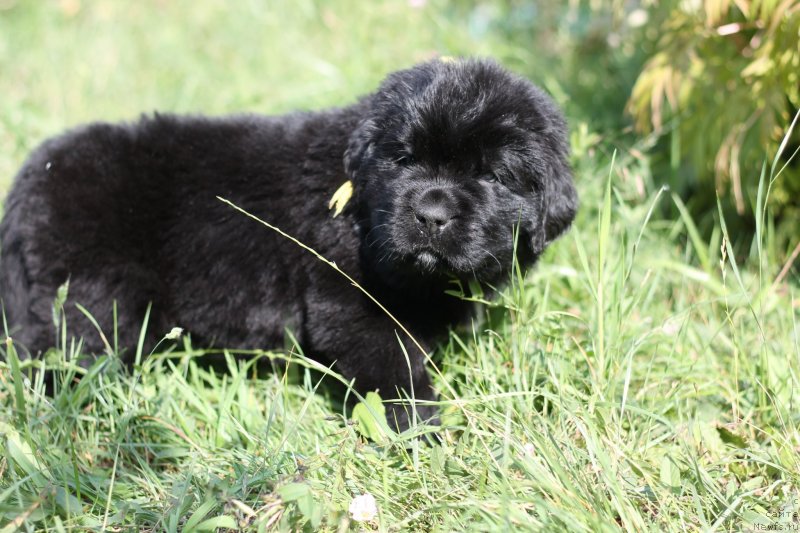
{"points": [[363, 508], [174, 334], [530, 449], [671, 327]]}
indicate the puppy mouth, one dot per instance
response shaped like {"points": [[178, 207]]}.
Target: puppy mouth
{"points": [[427, 260]]}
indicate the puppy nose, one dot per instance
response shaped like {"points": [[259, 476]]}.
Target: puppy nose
{"points": [[434, 211]]}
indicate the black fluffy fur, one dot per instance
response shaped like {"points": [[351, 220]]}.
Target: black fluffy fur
{"points": [[446, 159]]}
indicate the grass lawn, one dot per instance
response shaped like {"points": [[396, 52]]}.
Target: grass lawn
{"points": [[642, 377]]}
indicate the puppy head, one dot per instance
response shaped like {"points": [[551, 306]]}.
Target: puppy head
{"points": [[449, 159]]}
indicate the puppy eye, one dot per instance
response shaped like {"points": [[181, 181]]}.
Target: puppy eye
{"points": [[404, 160], [491, 177]]}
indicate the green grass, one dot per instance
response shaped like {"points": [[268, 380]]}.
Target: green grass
{"points": [[642, 377]]}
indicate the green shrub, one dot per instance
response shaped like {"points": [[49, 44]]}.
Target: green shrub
{"points": [[723, 83]]}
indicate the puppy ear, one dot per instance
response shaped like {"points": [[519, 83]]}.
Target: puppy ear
{"points": [[359, 147], [560, 200]]}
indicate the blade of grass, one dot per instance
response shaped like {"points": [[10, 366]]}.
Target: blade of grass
{"points": [[694, 234]]}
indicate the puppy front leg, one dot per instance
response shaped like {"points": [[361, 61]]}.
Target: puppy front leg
{"points": [[397, 372], [367, 348]]}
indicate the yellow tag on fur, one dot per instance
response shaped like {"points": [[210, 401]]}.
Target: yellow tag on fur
{"points": [[340, 198]]}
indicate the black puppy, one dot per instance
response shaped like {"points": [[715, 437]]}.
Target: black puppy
{"points": [[446, 159]]}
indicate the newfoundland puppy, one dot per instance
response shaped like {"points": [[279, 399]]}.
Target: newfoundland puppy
{"points": [[451, 170]]}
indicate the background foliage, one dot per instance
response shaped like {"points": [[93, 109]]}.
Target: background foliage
{"points": [[723, 82]]}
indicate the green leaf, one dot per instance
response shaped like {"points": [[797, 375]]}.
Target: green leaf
{"points": [[710, 439], [753, 484], [751, 518], [293, 491], [300, 494], [437, 460], [670, 473], [198, 515], [68, 502], [22, 455], [212, 524], [370, 416], [729, 437]]}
